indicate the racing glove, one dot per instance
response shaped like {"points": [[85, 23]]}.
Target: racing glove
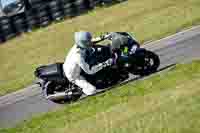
{"points": [[133, 49], [111, 61]]}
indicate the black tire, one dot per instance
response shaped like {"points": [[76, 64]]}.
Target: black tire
{"points": [[20, 28], [156, 61], [49, 89], [80, 6], [32, 22], [7, 30], [147, 63], [19, 23], [30, 12], [57, 16], [4, 20], [54, 3], [54, 6], [40, 16], [40, 8], [6, 27], [66, 6], [63, 2], [54, 9], [68, 12], [43, 18], [44, 21], [31, 19], [42, 13], [34, 3]]}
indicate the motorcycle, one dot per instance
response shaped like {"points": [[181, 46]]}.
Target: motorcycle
{"points": [[57, 88]]}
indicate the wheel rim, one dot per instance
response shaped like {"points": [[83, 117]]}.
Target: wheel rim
{"points": [[148, 64], [151, 62]]}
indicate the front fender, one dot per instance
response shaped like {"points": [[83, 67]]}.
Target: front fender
{"points": [[138, 57], [140, 51]]}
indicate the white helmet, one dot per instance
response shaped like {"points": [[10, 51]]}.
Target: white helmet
{"points": [[83, 39]]}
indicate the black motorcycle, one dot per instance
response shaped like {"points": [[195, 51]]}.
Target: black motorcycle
{"points": [[57, 88]]}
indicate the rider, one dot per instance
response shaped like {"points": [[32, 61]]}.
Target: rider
{"points": [[75, 61]]}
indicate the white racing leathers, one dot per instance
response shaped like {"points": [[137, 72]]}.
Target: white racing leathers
{"points": [[73, 64]]}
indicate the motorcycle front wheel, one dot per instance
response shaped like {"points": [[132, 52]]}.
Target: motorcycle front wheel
{"points": [[146, 63]]}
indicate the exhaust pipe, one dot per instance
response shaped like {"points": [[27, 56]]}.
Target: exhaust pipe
{"points": [[58, 96]]}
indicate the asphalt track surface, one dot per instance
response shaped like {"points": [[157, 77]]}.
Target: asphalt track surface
{"points": [[22, 105]]}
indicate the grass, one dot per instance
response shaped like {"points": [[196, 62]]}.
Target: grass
{"points": [[167, 102], [146, 19]]}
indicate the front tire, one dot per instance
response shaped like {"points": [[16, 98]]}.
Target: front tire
{"points": [[147, 63]]}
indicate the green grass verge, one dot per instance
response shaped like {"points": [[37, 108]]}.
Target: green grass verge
{"points": [[146, 19], [167, 102]]}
